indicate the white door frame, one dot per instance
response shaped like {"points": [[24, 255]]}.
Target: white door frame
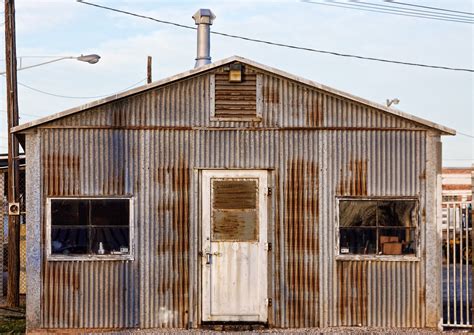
{"points": [[261, 264]]}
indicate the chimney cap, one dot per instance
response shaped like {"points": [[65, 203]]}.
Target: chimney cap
{"points": [[204, 16]]}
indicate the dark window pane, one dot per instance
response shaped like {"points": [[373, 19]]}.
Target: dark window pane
{"points": [[396, 213], [110, 212], [112, 239], [357, 213], [235, 194], [397, 241], [66, 241], [358, 241], [68, 212]]}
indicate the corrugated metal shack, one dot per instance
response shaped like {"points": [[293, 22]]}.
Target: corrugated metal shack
{"points": [[320, 164]]}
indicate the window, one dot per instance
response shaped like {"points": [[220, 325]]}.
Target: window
{"points": [[378, 227], [92, 226]]}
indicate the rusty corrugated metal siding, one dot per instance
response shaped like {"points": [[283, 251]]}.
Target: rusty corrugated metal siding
{"points": [[394, 164], [150, 146], [286, 104], [379, 294]]}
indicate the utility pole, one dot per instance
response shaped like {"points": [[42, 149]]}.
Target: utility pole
{"points": [[13, 292], [148, 71]]}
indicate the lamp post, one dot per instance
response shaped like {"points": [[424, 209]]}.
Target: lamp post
{"points": [[13, 296], [91, 59]]}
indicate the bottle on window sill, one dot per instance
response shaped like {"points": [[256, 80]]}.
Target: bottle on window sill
{"points": [[101, 250]]}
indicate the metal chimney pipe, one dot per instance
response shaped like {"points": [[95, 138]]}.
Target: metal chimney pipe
{"points": [[203, 19]]}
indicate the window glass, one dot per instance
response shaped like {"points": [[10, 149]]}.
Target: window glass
{"points": [[358, 241], [90, 226], [110, 212], [396, 213], [396, 241], [69, 241], [357, 213], [383, 227], [113, 239], [69, 212]]}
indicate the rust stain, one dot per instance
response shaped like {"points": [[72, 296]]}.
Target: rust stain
{"points": [[235, 194], [271, 95], [177, 247], [314, 114], [354, 180], [234, 225], [61, 173], [118, 118], [353, 296], [301, 241], [423, 175]]}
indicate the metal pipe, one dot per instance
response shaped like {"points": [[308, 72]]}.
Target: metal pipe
{"points": [[448, 265], [203, 19], [455, 294]]}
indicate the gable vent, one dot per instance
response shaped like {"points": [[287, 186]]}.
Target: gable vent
{"points": [[235, 94]]}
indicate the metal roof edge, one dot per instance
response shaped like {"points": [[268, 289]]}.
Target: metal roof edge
{"points": [[444, 130]]}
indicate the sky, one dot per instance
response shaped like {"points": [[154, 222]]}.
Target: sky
{"points": [[67, 28]]}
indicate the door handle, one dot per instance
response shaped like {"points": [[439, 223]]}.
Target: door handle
{"points": [[209, 256]]}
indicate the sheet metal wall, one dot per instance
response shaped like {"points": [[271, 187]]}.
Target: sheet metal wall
{"points": [[132, 154]]}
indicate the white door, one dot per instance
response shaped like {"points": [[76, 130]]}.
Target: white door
{"points": [[234, 245]]}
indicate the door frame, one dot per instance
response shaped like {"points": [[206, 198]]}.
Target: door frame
{"points": [[265, 228]]}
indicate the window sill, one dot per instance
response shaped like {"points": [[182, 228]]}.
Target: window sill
{"points": [[384, 258], [62, 258]]}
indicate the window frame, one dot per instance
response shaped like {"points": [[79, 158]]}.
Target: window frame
{"points": [[360, 257], [90, 257]]}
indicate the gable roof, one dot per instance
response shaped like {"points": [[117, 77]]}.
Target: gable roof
{"points": [[20, 128]]}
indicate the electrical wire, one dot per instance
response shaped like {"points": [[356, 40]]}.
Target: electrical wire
{"points": [[423, 13], [333, 53], [428, 12], [79, 97], [354, 5], [428, 7], [22, 114], [464, 134]]}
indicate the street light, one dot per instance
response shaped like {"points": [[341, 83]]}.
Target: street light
{"points": [[91, 59]]}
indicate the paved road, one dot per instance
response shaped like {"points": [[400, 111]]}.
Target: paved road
{"points": [[459, 302]]}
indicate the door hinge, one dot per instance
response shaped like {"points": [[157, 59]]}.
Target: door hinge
{"points": [[269, 302], [268, 246], [269, 191]]}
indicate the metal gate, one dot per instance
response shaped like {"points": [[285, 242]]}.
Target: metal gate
{"points": [[457, 265]]}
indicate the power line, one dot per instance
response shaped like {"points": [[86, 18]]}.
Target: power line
{"points": [[401, 12], [422, 13], [75, 97], [23, 114], [428, 7], [334, 53], [458, 132]]}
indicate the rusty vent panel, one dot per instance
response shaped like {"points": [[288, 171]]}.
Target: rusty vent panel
{"points": [[235, 100], [235, 210], [237, 226], [234, 194]]}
